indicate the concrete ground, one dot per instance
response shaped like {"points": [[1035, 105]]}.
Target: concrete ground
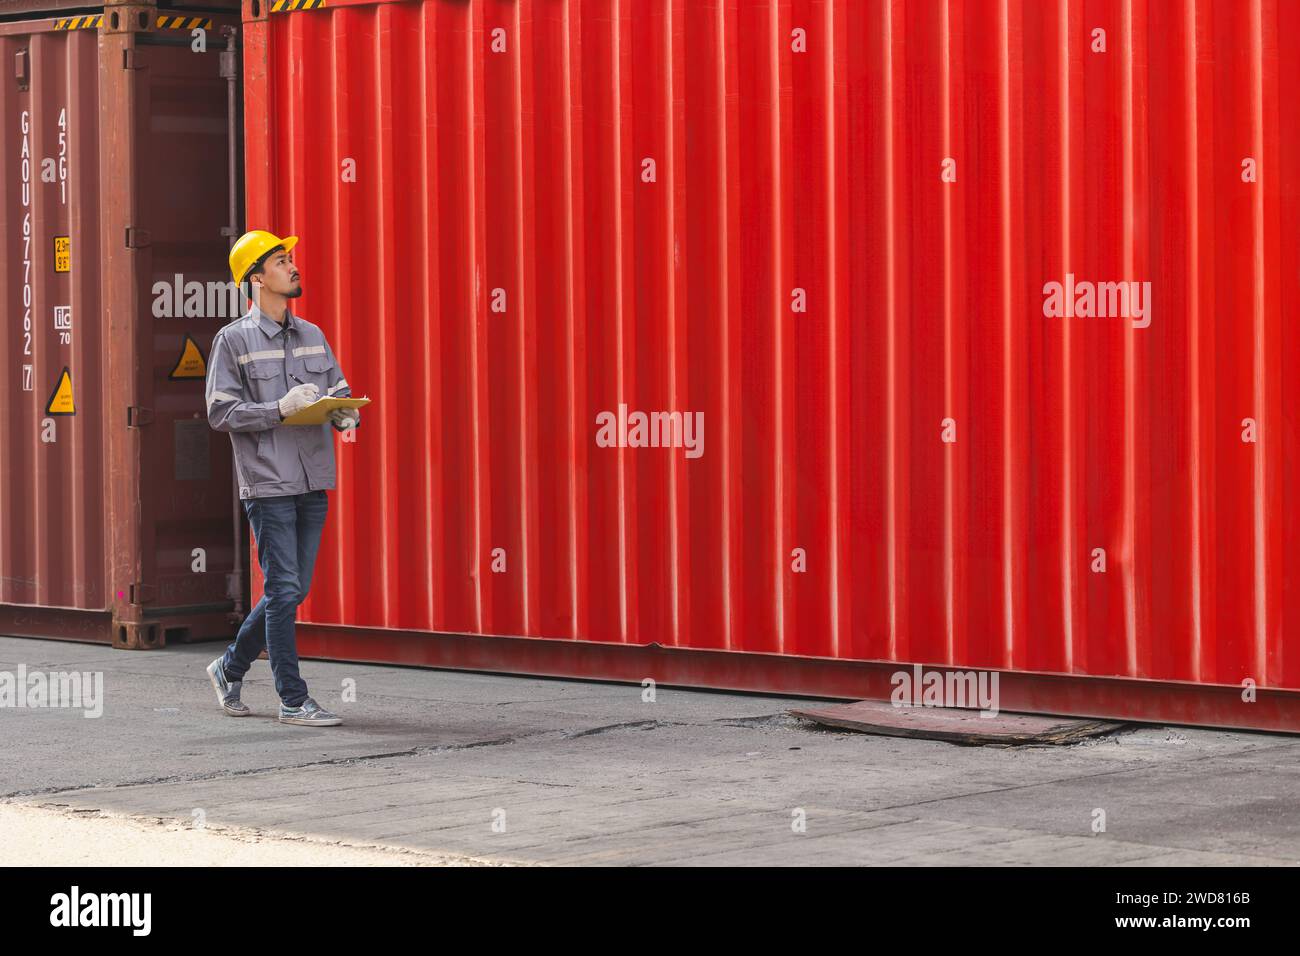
{"points": [[441, 767]]}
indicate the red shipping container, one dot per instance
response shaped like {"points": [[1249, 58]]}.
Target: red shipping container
{"points": [[116, 518], [988, 310]]}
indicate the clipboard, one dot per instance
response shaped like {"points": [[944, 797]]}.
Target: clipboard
{"points": [[317, 413]]}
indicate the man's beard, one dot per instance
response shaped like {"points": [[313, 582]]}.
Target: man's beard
{"points": [[294, 294]]}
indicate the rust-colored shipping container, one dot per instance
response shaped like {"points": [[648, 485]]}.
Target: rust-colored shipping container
{"points": [[116, 516], [990, 309]]}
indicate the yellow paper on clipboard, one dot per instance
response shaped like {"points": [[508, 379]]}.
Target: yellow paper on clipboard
{"points": [[317, 413]]}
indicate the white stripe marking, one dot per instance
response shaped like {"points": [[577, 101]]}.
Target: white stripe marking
{"points": [[342, 383], [309, 350], [265, 353]]}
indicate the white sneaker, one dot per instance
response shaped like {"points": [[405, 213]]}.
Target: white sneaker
{"points": [[309, 714], [227, 691]]}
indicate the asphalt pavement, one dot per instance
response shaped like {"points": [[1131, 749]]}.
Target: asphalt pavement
{"points": [[505, 769]]}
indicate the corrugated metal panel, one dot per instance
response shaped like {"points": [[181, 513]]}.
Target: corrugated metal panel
{"points": [[842, 261], [52, 493], [115, 178], [28, 9]]}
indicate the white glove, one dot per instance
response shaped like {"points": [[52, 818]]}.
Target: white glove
{"points": [[344, 418], [298, 398]]}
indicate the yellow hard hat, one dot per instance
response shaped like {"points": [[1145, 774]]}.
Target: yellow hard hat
{"points": [[250, 247]]}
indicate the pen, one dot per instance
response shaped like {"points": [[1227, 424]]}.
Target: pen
{"points": [[301, 382], [298, 380]]}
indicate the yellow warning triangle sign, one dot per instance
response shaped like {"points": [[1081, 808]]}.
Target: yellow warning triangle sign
{"points": [[191, 363], [60, 402]]}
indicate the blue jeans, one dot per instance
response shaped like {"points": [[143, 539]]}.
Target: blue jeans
{"points": [[287, 529]]}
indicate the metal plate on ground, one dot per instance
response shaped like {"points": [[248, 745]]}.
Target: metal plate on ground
{"points": [[956, 725]]}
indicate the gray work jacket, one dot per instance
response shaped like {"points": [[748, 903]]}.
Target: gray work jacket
{"points": [[248, 373]]}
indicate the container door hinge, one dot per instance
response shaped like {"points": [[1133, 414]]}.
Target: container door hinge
{"points": [[21, 61], [137, 238], [142, 593], [137, 416]]}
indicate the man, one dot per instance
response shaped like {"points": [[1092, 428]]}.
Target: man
{"points": [[263, 368]]}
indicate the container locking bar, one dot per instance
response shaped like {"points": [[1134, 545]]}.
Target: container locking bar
{"points": [[142, 593], [137, 416]]}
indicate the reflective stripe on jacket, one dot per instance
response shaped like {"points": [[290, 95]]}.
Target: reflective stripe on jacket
{"points": [[248, 373]]}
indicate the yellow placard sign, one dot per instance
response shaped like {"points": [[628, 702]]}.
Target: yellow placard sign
{"points": [[191, 363], [60, 402], [62, 253]]}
